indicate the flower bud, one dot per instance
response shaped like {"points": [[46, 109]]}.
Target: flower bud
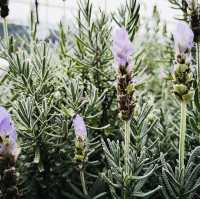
{"points": [[122, 47], [4, 8], [122, 51], [183, 38], [182, 76], [8, 156], [79, 127], [81, 135], [8, 136]]}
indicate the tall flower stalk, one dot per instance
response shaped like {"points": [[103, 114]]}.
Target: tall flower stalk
{"points": [[80, 148], [182, 79], [182, 136], [198, 60], [122, 51]]}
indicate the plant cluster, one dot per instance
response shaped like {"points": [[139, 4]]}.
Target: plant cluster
{"points": [[96, 115]]}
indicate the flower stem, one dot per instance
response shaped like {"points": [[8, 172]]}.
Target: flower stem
{"points": [[127, 132], [5, 32], [198, 61], [182, 136], [82, 176], [126, 146]]}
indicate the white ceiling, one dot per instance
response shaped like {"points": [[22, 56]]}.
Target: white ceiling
{"points": [[52, 11]]}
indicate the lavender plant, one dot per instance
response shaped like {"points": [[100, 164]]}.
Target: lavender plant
{"points": [[182, 79], [125, 178], [87, 146], [122, 50], [65, 106], [182, 182], [176, 184], [80, 147], [190, 11], [92, 48]]}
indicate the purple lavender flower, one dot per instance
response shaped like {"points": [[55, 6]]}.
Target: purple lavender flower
{"points": [[8, 136], [183, 37], [122, 47], [79, 127]]}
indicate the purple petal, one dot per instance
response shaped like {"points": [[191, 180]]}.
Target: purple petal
{"points": [[7, 131], [79, 127], [183, 37], [122, 47]]}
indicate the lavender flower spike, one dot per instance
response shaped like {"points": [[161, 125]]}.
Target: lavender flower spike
{"points": [[79, 127], [183, 38], [8, 136], [122, 47]]}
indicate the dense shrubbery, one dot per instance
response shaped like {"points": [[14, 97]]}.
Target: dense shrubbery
{"points": [[53, 90]]}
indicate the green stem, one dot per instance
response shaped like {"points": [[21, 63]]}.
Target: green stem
{"points": [[198, 61], [127, 133], [125, 195], [82, 176], [182, 136], [5, 32], [127, 143]]}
